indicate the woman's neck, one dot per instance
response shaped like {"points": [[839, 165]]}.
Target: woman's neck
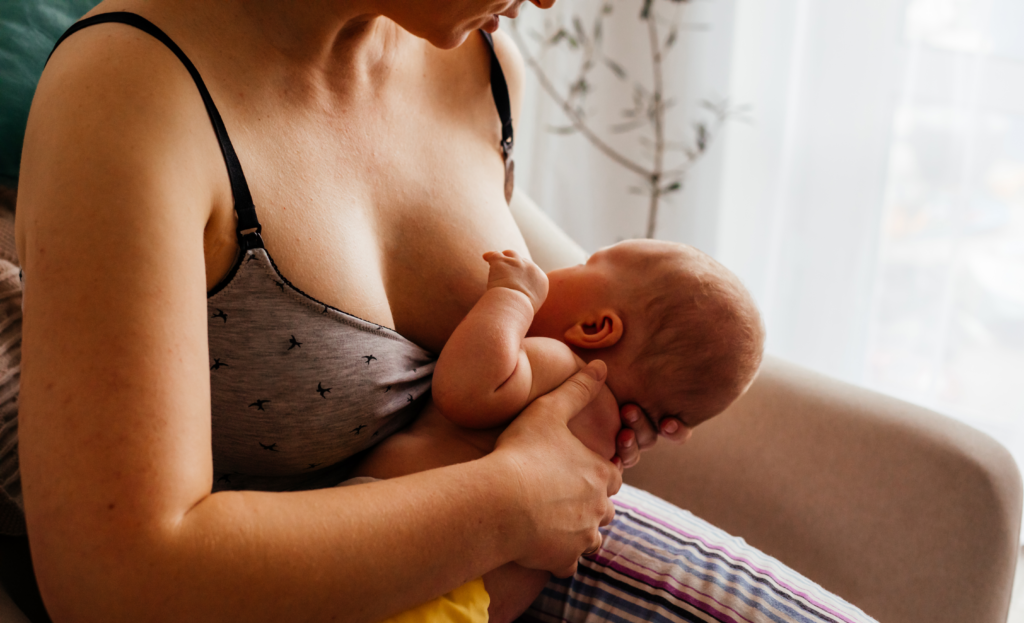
{"points": [[311, 43]]}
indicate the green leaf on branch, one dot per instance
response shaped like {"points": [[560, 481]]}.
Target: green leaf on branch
{"points": [[577, 24], [580, 87], [670, 41], [702, 136], [617, 69]]}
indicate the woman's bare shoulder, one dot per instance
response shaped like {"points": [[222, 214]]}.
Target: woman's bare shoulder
{"points": [[114, 107]]}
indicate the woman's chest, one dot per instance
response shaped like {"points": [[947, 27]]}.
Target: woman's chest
{"points": [[386, 217]]}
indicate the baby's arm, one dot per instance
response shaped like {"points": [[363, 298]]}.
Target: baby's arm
{"points": [[489, 370]]}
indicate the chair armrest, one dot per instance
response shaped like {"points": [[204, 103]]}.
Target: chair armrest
{"points": [[550, 247], [908, 514]]}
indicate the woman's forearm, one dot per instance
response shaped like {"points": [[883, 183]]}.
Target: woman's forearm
{"points": [[355, 553]]}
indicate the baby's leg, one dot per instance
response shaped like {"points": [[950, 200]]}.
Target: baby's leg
{"points": [[430, 442]]}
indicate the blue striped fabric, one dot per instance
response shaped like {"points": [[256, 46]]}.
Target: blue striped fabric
{"points": [[660, 563]]}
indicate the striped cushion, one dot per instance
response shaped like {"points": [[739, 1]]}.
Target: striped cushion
{"points": [[661, 563]]}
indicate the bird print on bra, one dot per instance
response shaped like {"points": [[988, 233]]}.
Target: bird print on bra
{"points": [[344, 354], [323, 390]]}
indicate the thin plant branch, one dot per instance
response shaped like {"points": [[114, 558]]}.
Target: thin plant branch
{"points": [[575, 118], [650, 106]]}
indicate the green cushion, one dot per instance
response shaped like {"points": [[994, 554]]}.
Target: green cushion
{"points": [[28, 30]]}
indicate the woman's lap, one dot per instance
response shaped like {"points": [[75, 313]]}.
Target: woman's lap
{"points": [[661, 563]]}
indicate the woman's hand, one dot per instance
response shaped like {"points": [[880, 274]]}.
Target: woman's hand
{"points": [[563, 486], [640, 433]]}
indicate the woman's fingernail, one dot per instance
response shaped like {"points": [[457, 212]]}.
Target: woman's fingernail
{"points": [[670, 426], [632, 416], [628, 443]]}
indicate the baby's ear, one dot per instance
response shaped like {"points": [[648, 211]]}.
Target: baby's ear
{"points": [[600, 330]]}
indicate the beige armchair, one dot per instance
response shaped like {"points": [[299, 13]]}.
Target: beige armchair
{"points": [[909, 515]]}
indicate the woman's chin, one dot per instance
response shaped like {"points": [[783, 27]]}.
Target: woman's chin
{"points": [[491, 25], [448, 40]]}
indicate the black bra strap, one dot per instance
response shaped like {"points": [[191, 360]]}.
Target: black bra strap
{"points": [[249, 227], [499, 89]]}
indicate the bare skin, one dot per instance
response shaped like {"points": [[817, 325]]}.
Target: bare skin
{"points": [[489, 370], [362, 144]]}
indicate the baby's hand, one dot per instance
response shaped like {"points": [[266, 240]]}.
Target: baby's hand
{"points": [[510, 270]]}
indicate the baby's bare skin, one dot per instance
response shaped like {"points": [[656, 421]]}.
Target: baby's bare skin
{"points": [[488, 372], [434, 441]]}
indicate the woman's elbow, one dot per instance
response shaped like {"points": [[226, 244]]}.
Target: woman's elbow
{"points": [[121, 571]]}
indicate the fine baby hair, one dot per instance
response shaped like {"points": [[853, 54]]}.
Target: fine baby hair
{"points": [[703, 333]]}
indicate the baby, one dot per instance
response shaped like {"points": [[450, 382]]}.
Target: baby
{"points": [[679, 333]]}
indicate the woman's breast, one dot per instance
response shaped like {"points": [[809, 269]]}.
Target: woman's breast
{"points": [[406, 255], [298, 386]]}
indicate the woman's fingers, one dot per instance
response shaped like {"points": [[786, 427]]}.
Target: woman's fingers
{"points": [[674, 430], [626, 449], [639, 433], [580, 390], [590, 551], [565, 486], [614, 480], [567, 572], [609, 514], [633, 418]]}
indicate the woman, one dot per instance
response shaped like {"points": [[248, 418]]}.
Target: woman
{"points": [[369, 142]]}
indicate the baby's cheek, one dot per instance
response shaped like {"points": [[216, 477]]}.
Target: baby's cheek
{"points": [[598, 424]]}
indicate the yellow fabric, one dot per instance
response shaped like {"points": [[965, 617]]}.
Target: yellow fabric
{"points": [[466, 604]]}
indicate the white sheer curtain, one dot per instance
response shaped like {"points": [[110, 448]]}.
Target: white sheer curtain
{"points": [[874, 201]]}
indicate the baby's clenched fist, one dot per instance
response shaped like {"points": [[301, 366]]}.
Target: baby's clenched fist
{"points": [[511, 270]]}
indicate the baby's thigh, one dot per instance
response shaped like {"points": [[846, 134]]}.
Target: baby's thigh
{"points": [[429, 442]]}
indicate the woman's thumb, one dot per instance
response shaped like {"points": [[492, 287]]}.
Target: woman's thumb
{"points": [[577, 392]]}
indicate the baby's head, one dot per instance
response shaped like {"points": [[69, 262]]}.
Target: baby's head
{"points": [[679, 332]]}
